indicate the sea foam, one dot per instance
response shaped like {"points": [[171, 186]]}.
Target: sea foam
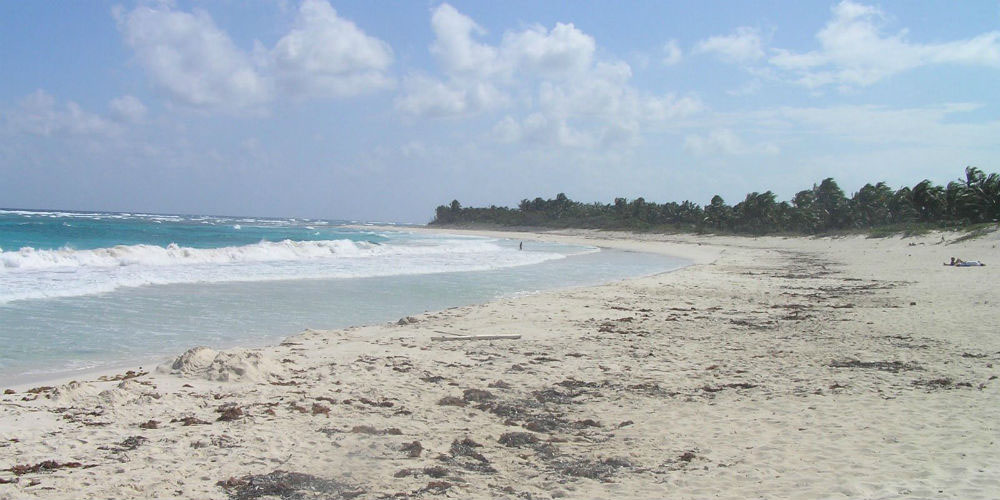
{"points": [[31, 273]]}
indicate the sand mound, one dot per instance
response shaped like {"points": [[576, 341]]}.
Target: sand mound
{"points": [[238, 365], [126, 392], [73, 392]]}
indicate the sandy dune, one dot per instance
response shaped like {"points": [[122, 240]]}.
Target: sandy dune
{"points": [[771, 368]]}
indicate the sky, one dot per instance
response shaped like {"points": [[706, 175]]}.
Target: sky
{"points": [[380, 111]]}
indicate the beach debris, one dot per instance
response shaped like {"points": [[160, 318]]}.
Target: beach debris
{"points": [[432, 379], [974, 355], [367, 429], [886, 366], [512, 336], [451, 401], [189, 420], [506, 410], [222, 441], [409, 320], [477, 395], [40, 390], [150, 424], [229, 412], [129, 444], [555, 396], [413, 450], [517, 439], [287, 485], [576, 384], [544, 424], [435, 471], [626, 423], [122, 376], [734, 385], [436, 487], [463, 453], [45, 466], [941, 383], [379, 404], [601, 470]]}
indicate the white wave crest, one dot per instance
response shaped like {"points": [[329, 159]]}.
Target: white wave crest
{"points": [[31, 273], [153, 255]]}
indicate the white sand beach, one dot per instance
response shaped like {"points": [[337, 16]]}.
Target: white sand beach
{"points": [[769, 368]]}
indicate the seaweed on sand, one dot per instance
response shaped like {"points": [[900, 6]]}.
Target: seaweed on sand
{"points": [[287, 486], [601, 470]]}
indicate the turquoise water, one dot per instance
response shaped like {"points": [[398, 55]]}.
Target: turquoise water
{"points": [[45, 230], [89, 291]]}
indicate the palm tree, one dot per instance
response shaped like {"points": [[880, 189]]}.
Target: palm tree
{"points": [[756, 212], [717, 213], [979, 201], [832, 204], [870, 205], [928, 200]]}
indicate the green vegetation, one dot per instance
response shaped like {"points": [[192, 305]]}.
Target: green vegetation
{"points": [[823, 209]]}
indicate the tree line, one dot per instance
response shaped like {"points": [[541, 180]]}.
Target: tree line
{"points": [[823, 208]]}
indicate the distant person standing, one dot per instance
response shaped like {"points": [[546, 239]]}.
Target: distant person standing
{"points": [[520, 246]]}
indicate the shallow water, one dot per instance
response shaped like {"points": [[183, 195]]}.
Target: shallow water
{"points": [[255, 302]]}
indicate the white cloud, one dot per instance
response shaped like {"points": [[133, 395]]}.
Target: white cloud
{"points": [[855, 52], [191, 59], [564, 51], [127, 108], [725, 142], [455, 47], [197, 64], [672, 53], [325, 55], [507, 130], [543, 130], [426, 96], [40, 114], [568, 97], [670, 107], [743, 46]]}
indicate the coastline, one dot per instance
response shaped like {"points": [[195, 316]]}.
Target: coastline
{"points": [[148, 362], [753, 372]]}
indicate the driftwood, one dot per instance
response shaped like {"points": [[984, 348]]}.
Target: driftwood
{"points": [[478, 337]]}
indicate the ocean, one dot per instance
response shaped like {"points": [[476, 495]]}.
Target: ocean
{"points": [[82, 291]]}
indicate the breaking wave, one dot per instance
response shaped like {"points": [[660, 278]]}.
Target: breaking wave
{"points": [[36, 273]]}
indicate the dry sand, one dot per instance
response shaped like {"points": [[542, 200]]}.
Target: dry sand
{"points": [[771, 368]]}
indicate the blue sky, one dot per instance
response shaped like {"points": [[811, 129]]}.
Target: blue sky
{"points": [[382, 111]]}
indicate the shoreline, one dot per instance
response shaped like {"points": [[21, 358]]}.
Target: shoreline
{"points": [[150, 362], [776, 367]]}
